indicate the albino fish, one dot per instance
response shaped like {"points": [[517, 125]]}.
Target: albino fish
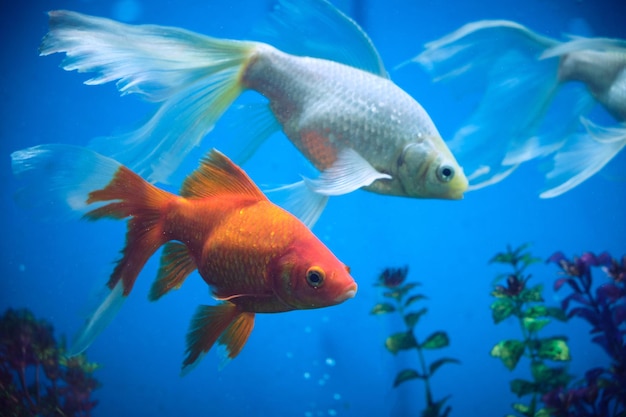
{"points": [[337, 105], [257, 257], [530, 108]]}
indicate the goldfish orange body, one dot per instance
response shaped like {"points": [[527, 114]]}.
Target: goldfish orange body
{"points": [[256, 257]]}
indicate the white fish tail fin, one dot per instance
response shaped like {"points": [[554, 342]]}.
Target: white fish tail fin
{"points": [[584, 155], [317, 28], [193, 77], [500, 59], [56, 179]]}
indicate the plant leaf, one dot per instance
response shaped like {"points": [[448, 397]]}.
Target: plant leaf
{"points": [[414, 298], [557, 313], [521, 387], [406, 375], [555, 349], [436, 340], [536, 311], [382, 308], [400, 341], [501, 309], [534, 325], [509, 351], [438, 363], [532, 294], [413, 317]]}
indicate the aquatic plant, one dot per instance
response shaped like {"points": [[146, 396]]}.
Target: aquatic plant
{"points": [[525, 303], [400, 299], [602, 392], [36, 378]]}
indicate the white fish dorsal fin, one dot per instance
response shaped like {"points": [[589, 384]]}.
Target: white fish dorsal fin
{"points": [[318, 29], [348, 173], [218, 175], [584, 155]]}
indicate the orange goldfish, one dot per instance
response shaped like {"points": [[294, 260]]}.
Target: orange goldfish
{"points": [[256, 257], [330, 95]]}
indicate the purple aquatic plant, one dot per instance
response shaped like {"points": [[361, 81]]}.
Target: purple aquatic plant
{"points": [[603, 390]]}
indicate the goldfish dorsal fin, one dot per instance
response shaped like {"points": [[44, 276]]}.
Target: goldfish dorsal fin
{"points": [[176, 265], [218, 175], [207, 325]]}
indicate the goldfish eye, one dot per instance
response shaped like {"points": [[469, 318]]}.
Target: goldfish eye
{"points": [[315, 276], [445, 173]]}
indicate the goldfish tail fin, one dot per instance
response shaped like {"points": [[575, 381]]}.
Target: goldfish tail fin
{"points": [[176, 265], [224, 324], [83, 181], [194, 78], [583, 155], [500, 60]]}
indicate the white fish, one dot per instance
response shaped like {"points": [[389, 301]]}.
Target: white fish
{"points": [[525, 77], [347, 118]]}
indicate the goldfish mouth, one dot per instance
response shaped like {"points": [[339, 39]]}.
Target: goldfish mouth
{"points": [[350, 292]]}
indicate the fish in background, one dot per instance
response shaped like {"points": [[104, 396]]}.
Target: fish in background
{"points": [[537, 96], [255, 256], [327, 89]]}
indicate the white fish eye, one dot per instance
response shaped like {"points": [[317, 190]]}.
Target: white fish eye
{"points": [[445, 173]]}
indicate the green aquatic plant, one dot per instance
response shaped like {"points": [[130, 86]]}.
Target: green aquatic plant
{"points": [[392, 280], [523, 302], [36, 377]]}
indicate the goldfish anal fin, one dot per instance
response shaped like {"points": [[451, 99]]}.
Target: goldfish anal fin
{"points": [[236, 335], [218, 175], [176, 265], [207, 325]]}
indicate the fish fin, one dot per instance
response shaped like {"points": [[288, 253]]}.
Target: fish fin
{"points": [[98, 320], [582, 44], [302, 202], [57, 179], [348, 173], [583, 155], [318, 29], [132, 196], [217, 175], [236, 336], [252, 125], [478, 182], [209, 324], [176, 265], [193, 77]]}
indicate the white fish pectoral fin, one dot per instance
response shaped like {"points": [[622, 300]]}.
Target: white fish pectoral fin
{"points": [[318, 29], [302, 202], [99, 319], [584, 155], [348, 173]]}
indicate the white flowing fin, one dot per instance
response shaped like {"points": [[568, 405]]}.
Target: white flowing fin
{"points": [[99, 319], [348, 173], [477, 182], [302, 202], [582, 44], [583, 156], [251, 126], [194, 77], [55, 180], [318, 29]]}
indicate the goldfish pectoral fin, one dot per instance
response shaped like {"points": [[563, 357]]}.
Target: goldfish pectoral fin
{"points": [[583, 155], [98, 321], [187, 74], [348, 173], [207, 325], [57, 179], [176, 265], [236, 336], [318, 29], [251, 125]]}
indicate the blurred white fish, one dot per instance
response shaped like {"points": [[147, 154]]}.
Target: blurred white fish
{"points": [[529, 108], [339, 109]]}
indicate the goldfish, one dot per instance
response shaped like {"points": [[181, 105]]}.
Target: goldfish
{"points": [[328, 92], [525, 77], [255, 256]]}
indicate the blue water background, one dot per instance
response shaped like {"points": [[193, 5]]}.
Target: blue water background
{"points": [[309, 363]]}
